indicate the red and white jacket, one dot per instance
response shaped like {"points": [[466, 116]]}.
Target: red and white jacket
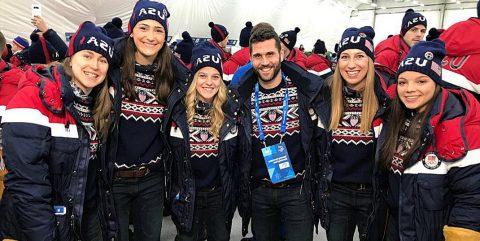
{"points": [[238, 59], [390, 52], [318, 65], [461, 64], [298, 57]]}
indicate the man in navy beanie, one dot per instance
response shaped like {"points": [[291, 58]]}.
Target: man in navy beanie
{"points": [[390, 52], [288, 40], [241, 57], [220, 39]]}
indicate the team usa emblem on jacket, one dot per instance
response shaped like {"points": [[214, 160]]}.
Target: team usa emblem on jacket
{"points": [[431, 161]]}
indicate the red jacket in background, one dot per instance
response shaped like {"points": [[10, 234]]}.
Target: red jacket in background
{"points": [[463, 51], [225, 56], [10, 76], [238, 59], [318, 65], [298, 57], [390, 52]]}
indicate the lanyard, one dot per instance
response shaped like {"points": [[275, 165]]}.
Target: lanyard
{"points": [[261, 135]]}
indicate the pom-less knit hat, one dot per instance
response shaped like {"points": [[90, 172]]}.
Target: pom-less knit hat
{"points": [[205, 54], [146, 9], [358, 38], [245, 34], [218, 32], [425, 57], [89, 37], [22, 43], [289, 38], [412, 19]]}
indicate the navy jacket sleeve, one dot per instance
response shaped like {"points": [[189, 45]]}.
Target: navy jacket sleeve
{"points": [[52, 37], [27, 140], [465, 189]]}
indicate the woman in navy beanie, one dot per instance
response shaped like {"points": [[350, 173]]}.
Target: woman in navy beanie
{"points": [[429, 154], [137, 151], [203, 135], [53, 132], [356, 99]]}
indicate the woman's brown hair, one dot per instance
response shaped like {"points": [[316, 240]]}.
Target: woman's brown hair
{"points": [[163, 71], [397, 115], [102, 106]]}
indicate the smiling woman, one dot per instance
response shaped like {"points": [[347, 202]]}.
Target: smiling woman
{"points": [[147, 73], [64, 117]]}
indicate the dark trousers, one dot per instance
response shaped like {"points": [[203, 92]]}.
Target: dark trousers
{"points": [[208, 212], [392, 233], [91, 229], [348, 208], [288, 205], [142, 198]]}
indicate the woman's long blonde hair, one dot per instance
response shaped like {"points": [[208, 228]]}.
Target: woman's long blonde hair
{"points": [[370, 101], [216, 113]]}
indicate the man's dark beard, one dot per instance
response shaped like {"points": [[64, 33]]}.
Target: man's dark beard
{"points": [[275, 73]]}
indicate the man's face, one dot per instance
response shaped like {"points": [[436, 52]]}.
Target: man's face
{"points": [[414, 35], [266, 59]]}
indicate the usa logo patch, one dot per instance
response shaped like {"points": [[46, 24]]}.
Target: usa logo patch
{"points": [[429, 55], [431, 161]]}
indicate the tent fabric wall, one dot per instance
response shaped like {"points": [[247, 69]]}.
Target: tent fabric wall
{"points": [[325, 19]]}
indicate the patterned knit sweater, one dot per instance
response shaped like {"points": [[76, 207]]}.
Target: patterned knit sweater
{"points": [[353, 151], [271, 111], [203, 149], [139, 141], [83, 104]]}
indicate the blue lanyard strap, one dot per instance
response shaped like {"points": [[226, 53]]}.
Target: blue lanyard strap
{"points": [[261, 135]]}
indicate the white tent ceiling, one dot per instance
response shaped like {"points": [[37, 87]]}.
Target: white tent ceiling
{"points": [[324, 19]]}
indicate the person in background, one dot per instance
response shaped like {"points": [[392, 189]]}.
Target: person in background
{"points": [[460, 64], [434, 33], [430, 167], [19, 44], [241, 57], [114, 28], [390, 52], [317, 63], [289, 39], [220, 39], [183, 49]]}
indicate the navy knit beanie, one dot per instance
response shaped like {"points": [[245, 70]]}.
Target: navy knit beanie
{"points": [[205, 54], [40, 51], [184, 47], [289, 38], [319, 47], [245, 34], [117, 22], [412, 19], [425, 57], [218, 32], [89, 37], [358, 38], [146, 9], [21, 42]]}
